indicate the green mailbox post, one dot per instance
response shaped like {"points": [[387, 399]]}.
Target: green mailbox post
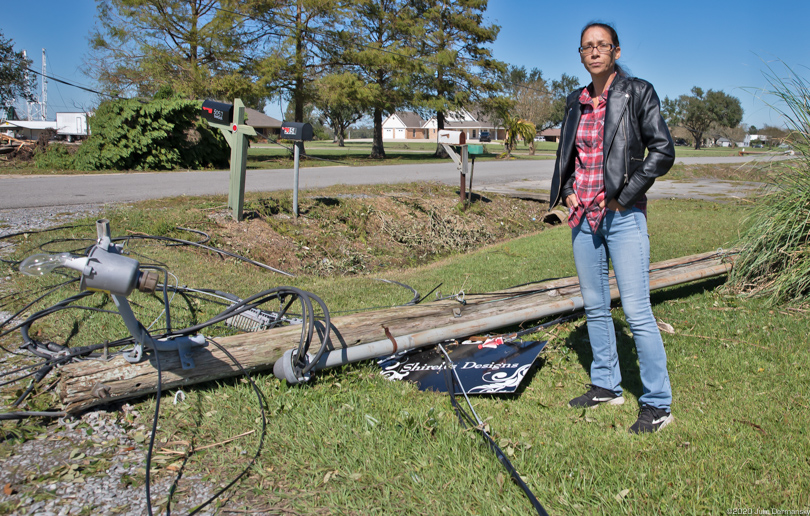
{"points": [[229, 118]]}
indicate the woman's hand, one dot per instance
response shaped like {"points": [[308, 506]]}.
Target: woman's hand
{"points": [[571, 201], [612, 205]]}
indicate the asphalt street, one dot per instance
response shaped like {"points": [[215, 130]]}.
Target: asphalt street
{"points": [[54, 190]]}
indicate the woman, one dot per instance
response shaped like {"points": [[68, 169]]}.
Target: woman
{"points": [[602, 176]]}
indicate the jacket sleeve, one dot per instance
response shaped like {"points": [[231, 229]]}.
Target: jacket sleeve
{"points": [[656, 139]]}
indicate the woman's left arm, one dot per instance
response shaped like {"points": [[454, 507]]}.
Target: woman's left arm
{"points": [[656, 139]]}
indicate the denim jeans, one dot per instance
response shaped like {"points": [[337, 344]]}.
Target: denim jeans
{"points": [[621, 238]]}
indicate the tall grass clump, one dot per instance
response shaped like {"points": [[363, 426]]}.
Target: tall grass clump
{"points": [[775, 256]]}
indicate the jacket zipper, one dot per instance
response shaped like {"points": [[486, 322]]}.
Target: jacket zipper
{"points": [[626, 150], [624, 135]]}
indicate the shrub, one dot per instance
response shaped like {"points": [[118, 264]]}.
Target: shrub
{"points": [[774, 261], [163, 134]]}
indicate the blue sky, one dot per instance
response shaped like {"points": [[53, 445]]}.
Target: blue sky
{"points": [[673, 44]]}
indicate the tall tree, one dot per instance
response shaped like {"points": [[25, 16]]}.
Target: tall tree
{"points": [[700, 110], [198, 48], [532, 99], [560, 89], [302, 43], [535, 99], [14, 81], [459, 69], [378, 45]]}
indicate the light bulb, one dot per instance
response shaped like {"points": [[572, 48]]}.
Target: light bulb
{"points": [[41, 264]]}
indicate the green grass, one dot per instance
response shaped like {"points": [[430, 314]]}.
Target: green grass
{"points": [[354, 443]]}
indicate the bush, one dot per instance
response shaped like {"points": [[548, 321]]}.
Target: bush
{"points": [[774, 261], [163, 134]]}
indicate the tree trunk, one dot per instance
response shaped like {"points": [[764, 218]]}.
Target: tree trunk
{"points": [[377, 149], [440, 152], [698, 136]]}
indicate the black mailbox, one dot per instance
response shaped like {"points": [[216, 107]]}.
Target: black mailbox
{"points": [[217, 112], [296, 131]]}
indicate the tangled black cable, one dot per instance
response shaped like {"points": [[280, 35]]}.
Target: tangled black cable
{"points": [[451, 378]]}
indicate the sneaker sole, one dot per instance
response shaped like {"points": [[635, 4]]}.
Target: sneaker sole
{"points": [[611, 401]]}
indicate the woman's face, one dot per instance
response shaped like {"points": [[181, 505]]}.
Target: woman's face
{"points": [[596, 63]]}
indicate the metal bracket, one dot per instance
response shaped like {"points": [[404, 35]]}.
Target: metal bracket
{"points": [[183, 345]]}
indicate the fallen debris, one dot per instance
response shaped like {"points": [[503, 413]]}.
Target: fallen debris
{"points": [[89, 383]]}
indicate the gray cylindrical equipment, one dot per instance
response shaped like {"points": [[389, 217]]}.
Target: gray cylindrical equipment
{"points": [[110, 272]]}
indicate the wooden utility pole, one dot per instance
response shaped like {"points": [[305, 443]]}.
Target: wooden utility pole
{"points": [[93, 382]]}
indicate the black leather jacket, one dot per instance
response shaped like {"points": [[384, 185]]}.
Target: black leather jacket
{"points": [[633, 123]]}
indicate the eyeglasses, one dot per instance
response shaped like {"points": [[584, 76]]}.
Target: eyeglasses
{"points": [[603, 48]]}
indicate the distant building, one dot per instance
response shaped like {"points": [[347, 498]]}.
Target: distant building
{"points": [[25, 129], [406, 125], [265, 125], [752, 140], [551, 135]]}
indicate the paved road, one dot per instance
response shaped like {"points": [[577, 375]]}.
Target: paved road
{"points": [[42, 191]]}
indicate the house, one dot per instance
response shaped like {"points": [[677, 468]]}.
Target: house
{"points": [[265, 125], [406, 125], [551, 135], [724, 142], [753, 140], [27, 129], [403, 125]]}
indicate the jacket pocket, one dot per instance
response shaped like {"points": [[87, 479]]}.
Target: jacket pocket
{"points": [[635, 164]]}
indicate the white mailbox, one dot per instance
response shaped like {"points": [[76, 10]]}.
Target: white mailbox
{"points": [[452, 137]]}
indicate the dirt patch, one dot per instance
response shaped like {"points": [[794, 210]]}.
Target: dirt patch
{"points": [[343, 232]]}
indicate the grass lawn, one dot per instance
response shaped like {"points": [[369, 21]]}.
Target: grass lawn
{"points": [[328, 154], [351, 442]]}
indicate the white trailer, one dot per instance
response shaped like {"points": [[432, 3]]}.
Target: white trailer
{"points": [[71, 125]]}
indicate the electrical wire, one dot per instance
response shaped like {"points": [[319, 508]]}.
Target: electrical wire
{"points": [[451, 378]]}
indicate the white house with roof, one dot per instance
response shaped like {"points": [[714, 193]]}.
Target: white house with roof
{"points": [[403, 125], [406, 125], [26, 129], [751, 138]]}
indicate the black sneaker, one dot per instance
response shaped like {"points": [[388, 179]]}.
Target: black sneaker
{"points": [[595, 397], [651, 419]]}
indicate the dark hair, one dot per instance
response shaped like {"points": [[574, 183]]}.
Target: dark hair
{"points": [[614, 37]]}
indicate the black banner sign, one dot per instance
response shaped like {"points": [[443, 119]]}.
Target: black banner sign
{"points": [[488, 367]]}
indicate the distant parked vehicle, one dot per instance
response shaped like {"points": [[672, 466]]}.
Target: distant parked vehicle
{"points": [[680, 142], [539, 138], [71, 126], [484, 137]]}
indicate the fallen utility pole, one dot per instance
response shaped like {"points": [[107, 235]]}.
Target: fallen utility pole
{"points": [[88, 383]]}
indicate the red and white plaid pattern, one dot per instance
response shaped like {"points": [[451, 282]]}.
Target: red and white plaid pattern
{"points": [[589, 180]]}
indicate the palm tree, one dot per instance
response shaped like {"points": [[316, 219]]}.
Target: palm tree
{"points": [[516, 128]]}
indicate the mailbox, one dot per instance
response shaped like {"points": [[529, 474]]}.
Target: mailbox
{"points": [[452, 137], [217, 112], [296, 131]]}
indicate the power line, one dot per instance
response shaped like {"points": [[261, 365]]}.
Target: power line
{"points": [[73, 85]]}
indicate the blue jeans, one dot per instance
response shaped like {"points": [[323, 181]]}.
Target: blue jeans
{"points": [[621, 238]]}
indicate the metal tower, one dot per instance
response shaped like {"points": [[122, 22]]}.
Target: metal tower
{"points": [[38, 107]]}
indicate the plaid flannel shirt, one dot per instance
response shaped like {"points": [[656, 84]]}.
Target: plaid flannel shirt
{"points": [[589, 180]]}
